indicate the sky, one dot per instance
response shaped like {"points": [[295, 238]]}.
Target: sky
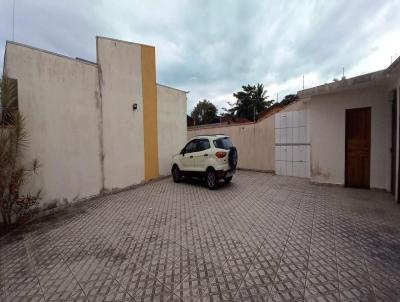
{"points": [[212, 48]]}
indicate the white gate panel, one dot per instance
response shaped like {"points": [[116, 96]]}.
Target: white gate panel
{"points": [[295, 118], [277, 136], [289, 153], [296, 135], [283, 135], [299, 169], [292, 150], [283, 120], [278, 167], [278, 153], [289, 120], [302, 118], [283, 167], [302, 135], [289, 135], [296, 153], [277, 121]]}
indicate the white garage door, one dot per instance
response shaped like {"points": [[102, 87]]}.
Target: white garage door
{"points": [[292, 147]]}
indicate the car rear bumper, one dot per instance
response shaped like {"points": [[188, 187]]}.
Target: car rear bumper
{"points": [[223, 174]]}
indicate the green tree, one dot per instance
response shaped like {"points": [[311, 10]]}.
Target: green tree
{"points": [[205, 112], [250, 102], [288, 99]]}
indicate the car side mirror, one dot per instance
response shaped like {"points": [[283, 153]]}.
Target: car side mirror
{"points": [[183, 151]]}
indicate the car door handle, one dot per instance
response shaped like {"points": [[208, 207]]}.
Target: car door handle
{"points": [[205, 154], [191, 156]]}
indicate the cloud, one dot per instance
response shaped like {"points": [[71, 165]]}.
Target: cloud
{"points": [[212, 48]]}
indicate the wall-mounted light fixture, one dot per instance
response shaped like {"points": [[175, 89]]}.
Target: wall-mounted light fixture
{"points": [[134, 106]]}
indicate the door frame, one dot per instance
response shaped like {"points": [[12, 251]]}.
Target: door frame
{"points": [[369, 110]]}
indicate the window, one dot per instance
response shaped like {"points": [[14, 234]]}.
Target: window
{"points": [[203, 144], [191, 146], [223, 143]]}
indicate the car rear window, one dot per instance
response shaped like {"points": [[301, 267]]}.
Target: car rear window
{"points": [[223, 143]]}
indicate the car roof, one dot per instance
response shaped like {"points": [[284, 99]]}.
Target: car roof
{"points": [[210, 136]]}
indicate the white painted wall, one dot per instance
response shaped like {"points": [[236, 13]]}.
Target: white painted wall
{"points": [[121, 86], [171, 121], [327, 129], [59, 98]]}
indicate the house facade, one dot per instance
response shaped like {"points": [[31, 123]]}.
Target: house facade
{"points": [[344, 133], [95, 126]]}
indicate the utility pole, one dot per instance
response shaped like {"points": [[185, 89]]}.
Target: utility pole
{"points": [[303, 81], [13, 26]]}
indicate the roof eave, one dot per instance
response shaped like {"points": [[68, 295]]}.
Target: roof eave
{"points": [[345, 84]]}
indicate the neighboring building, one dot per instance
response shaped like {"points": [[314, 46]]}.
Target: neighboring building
{"points": [[98, 126], [353, 130], [343, 133]]}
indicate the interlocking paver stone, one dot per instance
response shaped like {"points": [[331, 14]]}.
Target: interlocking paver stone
{"points": [[260, 238]]}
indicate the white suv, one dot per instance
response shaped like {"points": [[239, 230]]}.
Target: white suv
{"points": [[210, 157]]}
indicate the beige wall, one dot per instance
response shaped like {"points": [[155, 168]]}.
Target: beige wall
{"points": [[82, 127], [171, 120], [121, 86], [58, 97], [326, 115], [255, 142]]}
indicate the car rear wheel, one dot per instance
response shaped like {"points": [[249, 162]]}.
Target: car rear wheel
{"points": [[228, 179], [176, 174], [211, 179]]}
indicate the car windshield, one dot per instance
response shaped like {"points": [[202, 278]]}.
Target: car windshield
{"points": [[223, 143]]}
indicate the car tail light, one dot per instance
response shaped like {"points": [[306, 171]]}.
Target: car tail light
{"points": [[220, 154]]}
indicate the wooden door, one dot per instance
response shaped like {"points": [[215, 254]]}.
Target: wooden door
{"points": [[358, 147]]}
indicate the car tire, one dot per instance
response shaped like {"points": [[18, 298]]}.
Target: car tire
{"points": [[176, 174], [233, 158], [228, 179], [211, 179]]}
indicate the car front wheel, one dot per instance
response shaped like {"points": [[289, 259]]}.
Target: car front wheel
{"points": [[176, 174], [211, 179]]}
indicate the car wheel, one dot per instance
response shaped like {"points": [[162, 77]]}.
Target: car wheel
{"points": [[233, 157], [228, 179], [211, 179], [176, 174]]}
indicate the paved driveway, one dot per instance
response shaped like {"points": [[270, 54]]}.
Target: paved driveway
{"points": [[261, 238]]}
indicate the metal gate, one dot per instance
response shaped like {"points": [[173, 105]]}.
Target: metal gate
{"points": [[292, 144]]}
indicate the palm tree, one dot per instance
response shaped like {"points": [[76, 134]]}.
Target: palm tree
{"points": [[13, 142], [250, 102]]}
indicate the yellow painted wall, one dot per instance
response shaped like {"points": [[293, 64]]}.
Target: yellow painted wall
{"points": [[149, 91]]}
